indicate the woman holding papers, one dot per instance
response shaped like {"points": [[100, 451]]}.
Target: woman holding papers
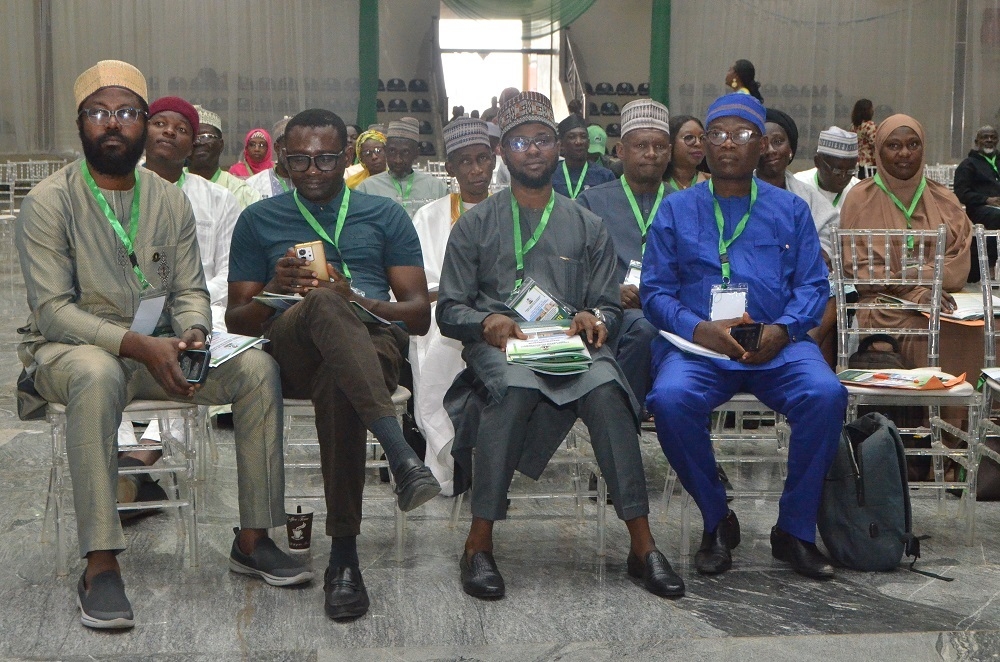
{"points": [[901, 197]]}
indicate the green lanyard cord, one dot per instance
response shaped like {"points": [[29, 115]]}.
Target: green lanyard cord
{"points": [[643, 223], [836, 198], [520, 250], [694, 180], [399, 187], [127, 238], [907, 211], [573, 192], [215, 177], [284, 186], [992, 160], [181, 179], [724, 244], [341, 218]]}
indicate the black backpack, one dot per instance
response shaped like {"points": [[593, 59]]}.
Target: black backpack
{"points": [[864, 517]]}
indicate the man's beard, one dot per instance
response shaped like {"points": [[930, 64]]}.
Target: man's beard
{"points": [[526, 180], [989, 151], [113, 165]]}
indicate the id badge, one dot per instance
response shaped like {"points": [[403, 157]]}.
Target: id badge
{"points": [[728, 302], [534, 304], [148, 314], [634, 273]]}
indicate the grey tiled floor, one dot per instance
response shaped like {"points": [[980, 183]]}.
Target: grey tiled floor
{"points": [[563, 602]]}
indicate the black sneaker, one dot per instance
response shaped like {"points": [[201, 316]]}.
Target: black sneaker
{"points": [[104, 606], [269, 563]]}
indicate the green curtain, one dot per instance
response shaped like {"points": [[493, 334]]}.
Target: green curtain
{"points": [[659, 53], [367, 62], [539, 17]]}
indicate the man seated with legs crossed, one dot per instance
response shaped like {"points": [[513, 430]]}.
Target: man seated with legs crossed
{"points": [[104, 245], [737, 251], [513, 417], [348, 367]]}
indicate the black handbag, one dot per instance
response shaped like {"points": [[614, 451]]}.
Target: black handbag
{"points": [[869, 358]]}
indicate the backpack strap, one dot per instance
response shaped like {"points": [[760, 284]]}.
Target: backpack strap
{"points": [[912, 548]]}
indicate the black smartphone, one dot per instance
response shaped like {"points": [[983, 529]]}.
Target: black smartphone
{"points": [[748, 335], [195, 364]]}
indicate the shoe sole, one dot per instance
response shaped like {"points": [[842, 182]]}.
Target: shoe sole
{"points": [[493, 594], [113, 624], [419, 494], [347, 612], [782, 558], [273, 580]]}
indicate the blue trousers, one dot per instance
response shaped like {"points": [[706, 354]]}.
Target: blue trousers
{"points": [[632, 351], [687, 388]]}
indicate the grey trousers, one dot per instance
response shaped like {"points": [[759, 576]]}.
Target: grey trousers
{"points": [[502, 439], [632, 351], [95, 386]]}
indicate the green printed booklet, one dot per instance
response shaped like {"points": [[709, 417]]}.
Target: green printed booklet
{"points": [[548, 350]]}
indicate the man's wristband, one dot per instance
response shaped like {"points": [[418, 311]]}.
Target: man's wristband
{"points": [[784, 327]]}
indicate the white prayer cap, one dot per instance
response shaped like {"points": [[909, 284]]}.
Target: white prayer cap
{"points": [[493, 129], [208, 118], [838, 143], [645, 114]]}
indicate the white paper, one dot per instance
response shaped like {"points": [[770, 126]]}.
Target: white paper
{"points": [[634, 274], [148, 314], [692, 348]]}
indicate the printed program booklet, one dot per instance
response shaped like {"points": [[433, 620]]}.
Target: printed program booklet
{"points": [[549, 350], [919, 379], [968, 305], [227, 345]]}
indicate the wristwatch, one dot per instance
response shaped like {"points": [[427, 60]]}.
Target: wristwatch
{"points": [[784, 327], [599, 314]]}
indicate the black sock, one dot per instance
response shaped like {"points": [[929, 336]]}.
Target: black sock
{"points": [[390, 435], [344, 552]]}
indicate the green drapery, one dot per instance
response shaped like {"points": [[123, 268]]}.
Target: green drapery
{"points": [[539, 17], [367, 62], [659, 53]]}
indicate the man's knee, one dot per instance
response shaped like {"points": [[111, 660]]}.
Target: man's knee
{"points": [[670, 396], [85, 369], [322, 301], [825, 393]]}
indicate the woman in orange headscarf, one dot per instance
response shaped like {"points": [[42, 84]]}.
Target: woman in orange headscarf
{"points": [[883, 202]]}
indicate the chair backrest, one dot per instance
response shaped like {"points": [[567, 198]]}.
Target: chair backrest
{"points": [[888, 262], [987, 280]]}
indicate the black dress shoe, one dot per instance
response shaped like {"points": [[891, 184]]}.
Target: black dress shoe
{"points": [[804, 556], [656, 574], [415, 484], [714, 557], [344, 589], [481, 577]]}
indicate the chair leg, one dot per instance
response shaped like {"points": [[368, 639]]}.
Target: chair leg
{"points": [[456, 508], [400, 533], [602, 516], [685, 550]]}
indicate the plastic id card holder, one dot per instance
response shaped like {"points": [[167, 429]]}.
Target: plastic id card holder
{"points": [[150, 309], [534, 304], [634, 273], [728, 302]]}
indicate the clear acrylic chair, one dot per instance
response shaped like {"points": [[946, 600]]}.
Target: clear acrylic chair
{"points": [[575, 455], [300, 439], [916, 259], [989, 427], [176, 471]]}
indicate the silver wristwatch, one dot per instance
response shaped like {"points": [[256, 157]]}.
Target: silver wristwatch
{"points": [[599, 314]]}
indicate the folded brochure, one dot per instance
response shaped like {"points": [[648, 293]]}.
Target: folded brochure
{"points": [[283, 302], [919, 379], [548, 350], [227, 345], [968, 305]]}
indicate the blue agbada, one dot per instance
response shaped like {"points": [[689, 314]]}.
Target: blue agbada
{"points": [[777, 256]]}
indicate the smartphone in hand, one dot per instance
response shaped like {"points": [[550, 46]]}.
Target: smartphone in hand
{"points": [[316, 256], [195, 364], [748, 335]]}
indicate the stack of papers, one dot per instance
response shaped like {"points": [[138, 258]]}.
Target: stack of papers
{"points": [[968, 305], [549, 350], [283, 302], [919, 379]]}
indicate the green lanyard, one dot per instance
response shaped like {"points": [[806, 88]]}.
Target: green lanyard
{"points": [[644, 223], [128, 239], [520, 250], [573, 192], [284, 186], [907, 213], [724, 244], [180, 180], [694, 180], [835, 199], [993, 162], [215, 177], [399, 187], [314, 224]]}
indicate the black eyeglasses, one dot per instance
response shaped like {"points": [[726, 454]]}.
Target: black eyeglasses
{"points": [[523, 144], [691, 140], [839, 172], [739, 137], [301, 162], [206, 138], [101, 116]]}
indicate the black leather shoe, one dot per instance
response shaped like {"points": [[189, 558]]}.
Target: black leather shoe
{"points": [[346, 596], [714, 557], [656, 574], [481, 577], [804, 557], [415, 484]]}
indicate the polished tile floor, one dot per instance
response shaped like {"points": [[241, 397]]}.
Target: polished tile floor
{"points": [[563, 602]]}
